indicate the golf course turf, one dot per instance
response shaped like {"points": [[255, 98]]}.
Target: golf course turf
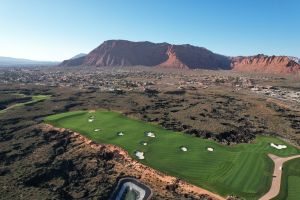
{"points": [[35, 99], [243, 170]]}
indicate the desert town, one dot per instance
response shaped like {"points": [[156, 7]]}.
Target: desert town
{"points": [[141, 79]]}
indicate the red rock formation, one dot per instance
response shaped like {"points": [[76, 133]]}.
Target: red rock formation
{"points": [[126, 53], [265, 64], [172, 61], [192, 57]]}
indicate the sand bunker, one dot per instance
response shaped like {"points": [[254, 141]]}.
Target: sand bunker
{"points": [[140, 155], [279, 146], [144, 143], [150, 134], [120, 134], [210, 149], [91, 118], [183, 148]]}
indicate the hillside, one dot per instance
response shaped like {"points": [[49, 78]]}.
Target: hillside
{"points": [[163, 55], [192, 57], [78, 56], [263, 63], [127, 53]]}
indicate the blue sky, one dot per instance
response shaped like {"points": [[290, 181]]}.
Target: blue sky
{"points": [[59, 29]]}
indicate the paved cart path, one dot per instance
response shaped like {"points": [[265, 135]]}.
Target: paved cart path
{"points": [[275, 187]]}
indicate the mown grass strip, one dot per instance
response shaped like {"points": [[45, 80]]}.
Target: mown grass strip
{"points": [[243, 170], [35, 99]]}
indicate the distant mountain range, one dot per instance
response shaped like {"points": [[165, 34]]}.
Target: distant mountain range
{"points": [[20, 62], [78, 56], [164, 55]]}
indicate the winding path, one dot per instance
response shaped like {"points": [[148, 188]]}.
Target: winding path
{"points": [[275, 187]]}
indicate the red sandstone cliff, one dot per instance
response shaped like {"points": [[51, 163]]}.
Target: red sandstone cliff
{"points": [[172, 61], [126, 53], [266, 64]]}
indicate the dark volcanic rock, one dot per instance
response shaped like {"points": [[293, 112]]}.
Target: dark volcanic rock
{"points": [[235, 136]]}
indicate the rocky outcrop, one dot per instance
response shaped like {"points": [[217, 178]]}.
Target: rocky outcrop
{"points": [[123, 53], [192, 57], [113, 53], [267, 64], [127, 53], [172, 61]]}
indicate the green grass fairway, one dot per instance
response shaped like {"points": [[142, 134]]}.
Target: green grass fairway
{"points": [[35, 99], [243, 170], [290, 183]]}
